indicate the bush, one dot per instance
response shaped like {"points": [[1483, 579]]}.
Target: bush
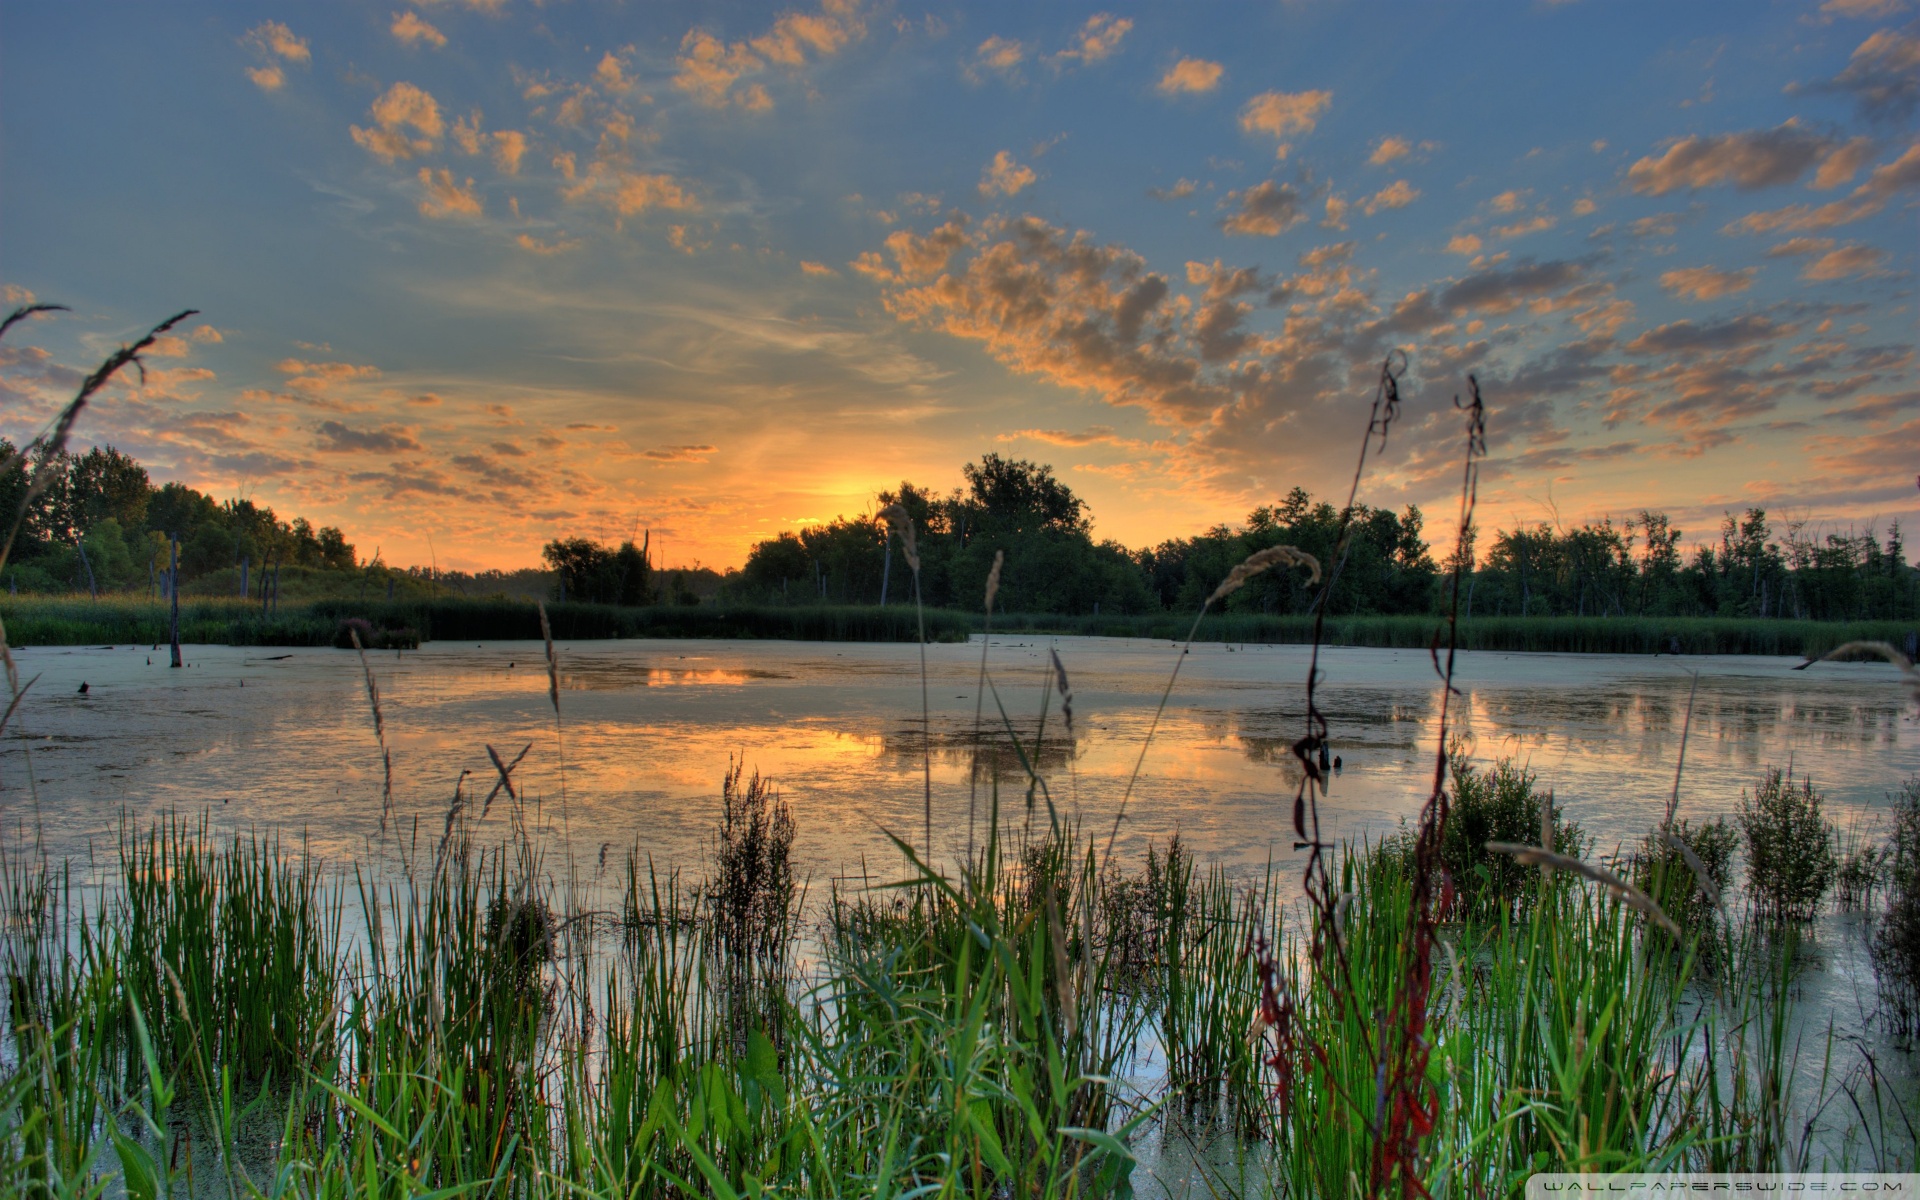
{"points": [[1495, 804], [1896, 944], [1664, 874], [1791, 848]]}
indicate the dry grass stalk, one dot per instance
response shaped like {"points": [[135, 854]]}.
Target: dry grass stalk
{"points": [[1633, 896], [505, 782], [1066, 689], [1262, 560], [1709, 887], [553, 663], [379, 730], [1879, 650], [895, 515], [980, 694]]}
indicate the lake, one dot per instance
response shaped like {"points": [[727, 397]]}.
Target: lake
{"points": [[283, 740]]}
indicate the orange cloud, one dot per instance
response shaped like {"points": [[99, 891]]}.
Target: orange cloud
{"points": [[1190, 75], [1397, 194], [1282, 114], [534, 245], [406, 122], [1096, 41], [714, 72], [1266, 210], [1707, 283], [1389, 149], [275, 43], [445, 198], [1749, 160], [1005, 177], [410, 30]]}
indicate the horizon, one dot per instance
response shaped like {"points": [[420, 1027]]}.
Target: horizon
{"points": [[476, 275]]}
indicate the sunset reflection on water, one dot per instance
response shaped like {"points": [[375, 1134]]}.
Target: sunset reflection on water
{"points": [[648, 727]]}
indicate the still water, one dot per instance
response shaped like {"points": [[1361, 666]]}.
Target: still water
{"points": [[284, 740]]}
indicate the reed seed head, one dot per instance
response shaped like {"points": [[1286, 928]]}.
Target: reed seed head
{"points": [[1261, 560], [895, 515]]}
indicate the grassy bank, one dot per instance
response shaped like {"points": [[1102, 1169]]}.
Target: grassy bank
{"points": [[69, 622], [35, 621]]}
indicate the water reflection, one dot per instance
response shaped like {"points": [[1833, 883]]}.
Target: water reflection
{"points": [[285, 742]]}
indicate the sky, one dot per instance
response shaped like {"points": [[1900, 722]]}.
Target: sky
{"points": [[474, 274]]}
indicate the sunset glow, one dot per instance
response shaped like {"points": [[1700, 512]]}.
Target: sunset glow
{"points": [[478, 274]]}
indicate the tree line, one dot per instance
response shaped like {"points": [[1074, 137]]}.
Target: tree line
{"points": [[99, 524]]}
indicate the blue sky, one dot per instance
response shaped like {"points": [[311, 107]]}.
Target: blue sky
{"points": [[490, 272]]}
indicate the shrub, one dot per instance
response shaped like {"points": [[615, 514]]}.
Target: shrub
{"points": [[1791, 858], [1495, 804], [1863, 864], [1663, 873], [1896, 943]]}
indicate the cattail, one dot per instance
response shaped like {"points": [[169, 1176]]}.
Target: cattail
{"points": [[1535, 856], [553, 664], [993, 577], [896, 516], [1259, 561]]}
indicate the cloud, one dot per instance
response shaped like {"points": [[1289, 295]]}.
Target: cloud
{"points": [[207, 334], [1096, 40], [274, 43], [814, 268], [1091, 436], [678, 453], [1538, 223], [400, 109], [1389, 149], [509, 147], [1179, 191], [445, 198], [337, 438], [1707, 283], [629, 193], [1800, 245], [1397, 194], [410, 30], [999, 54], [1503, 289], [534, 245], [1282, 114], [1843, 164], [1005, 177], [1845, 262], [1190, 75], [1883, 76], [715, 73], [1750, 160], [1900, 174], [1509, 201], [322, 376], [1688, 338], [1867, 9], [918, 257], [1464, 243], [1265, 210]]}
